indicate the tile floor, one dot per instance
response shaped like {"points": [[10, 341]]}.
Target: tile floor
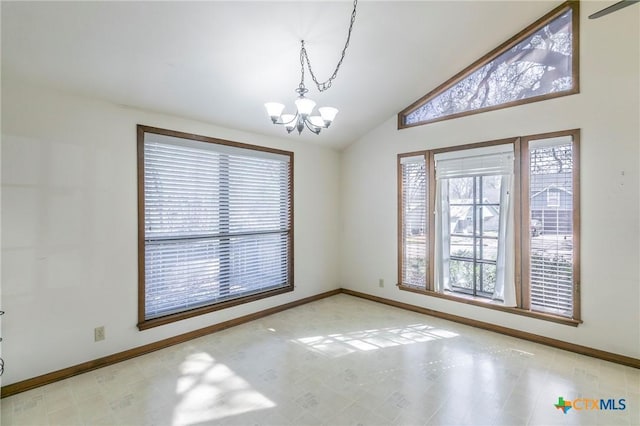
{"points": [[338, 361]]}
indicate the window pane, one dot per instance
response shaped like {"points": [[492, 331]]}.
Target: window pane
{"points": [[491, 189], [488, 281], [258, 196], [551, 225], [257, 262], [461, 210], [474, 226], [461, 190], [535, 65], [217, 223], [182, 191], [487, 248], [181, 276], [461, 274], [490, 223], [414, 222], [461, 247]]}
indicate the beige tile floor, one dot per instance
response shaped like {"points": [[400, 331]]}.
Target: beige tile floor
{"points": [[338, 361]]}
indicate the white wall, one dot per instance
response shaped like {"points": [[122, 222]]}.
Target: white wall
{"points": [[607, 110], [69, 227]]}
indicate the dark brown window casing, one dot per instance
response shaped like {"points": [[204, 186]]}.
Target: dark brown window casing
{"points": [[552, 68], [522, 227], [279, 282]]}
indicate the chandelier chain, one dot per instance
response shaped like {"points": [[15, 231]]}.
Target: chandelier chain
{"points": [[304, 57]]}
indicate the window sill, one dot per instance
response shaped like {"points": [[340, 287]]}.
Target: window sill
{"points": [[470, 300], [155, 322]]}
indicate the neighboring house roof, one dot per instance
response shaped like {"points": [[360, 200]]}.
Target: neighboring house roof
{"points": [[554, 188], [461, 212]]}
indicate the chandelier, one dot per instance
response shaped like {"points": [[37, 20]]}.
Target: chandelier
{"points": [[304, 106]]}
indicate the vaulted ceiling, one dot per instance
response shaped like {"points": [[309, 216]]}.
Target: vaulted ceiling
{"points": [[220, 61]]}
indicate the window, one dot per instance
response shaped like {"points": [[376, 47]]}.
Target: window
{"points": [[497, 238], [541, 62], [473, 235], [472, 200], [215, 224], [549, 187], [413, 223]]}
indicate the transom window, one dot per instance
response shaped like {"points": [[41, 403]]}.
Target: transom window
{"points": [[495, 236], [215, 224], [539, 63]]}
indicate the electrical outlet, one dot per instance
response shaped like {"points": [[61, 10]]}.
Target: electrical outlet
{"points": [[98, 333], [381, 282]]}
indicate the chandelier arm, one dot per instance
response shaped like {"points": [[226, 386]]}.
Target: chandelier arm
{"points": [[282, 122], [304, 57], [312, 127]]}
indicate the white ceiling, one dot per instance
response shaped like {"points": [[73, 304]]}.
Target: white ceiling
{"points": [[220, 61]]}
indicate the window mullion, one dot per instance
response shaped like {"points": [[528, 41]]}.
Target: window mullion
{"points": [[575, 150], [525, 226], [224, 225], [431, 222], [518, 221], [474, 215]]}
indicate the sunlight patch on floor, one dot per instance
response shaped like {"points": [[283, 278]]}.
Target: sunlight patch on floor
{"points": [[210, 390], [336, 345]]}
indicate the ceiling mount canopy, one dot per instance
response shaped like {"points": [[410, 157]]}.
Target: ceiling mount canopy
{"points": [[304, 106]]}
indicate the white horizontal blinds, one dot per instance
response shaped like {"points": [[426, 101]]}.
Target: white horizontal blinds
{"points": [[486, 161], [551, 225], [217, 223], [414, 221]]}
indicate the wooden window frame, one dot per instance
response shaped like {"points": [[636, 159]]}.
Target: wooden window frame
{"points": [[143, 323], [574, 6], [524, 189], [521, 225], [428, 224]]}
